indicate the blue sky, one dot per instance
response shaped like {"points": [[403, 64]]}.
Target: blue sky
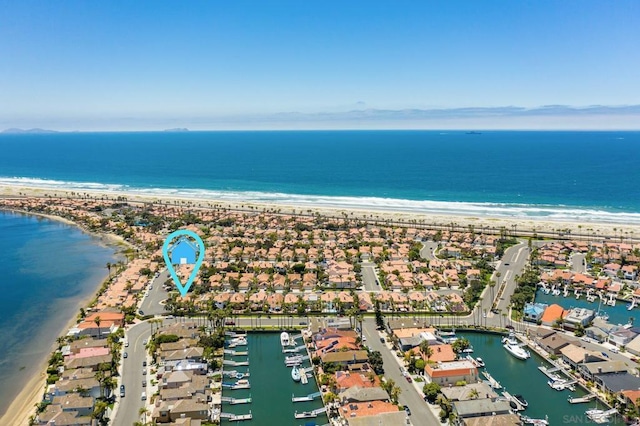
{"points": [[155, 64]]}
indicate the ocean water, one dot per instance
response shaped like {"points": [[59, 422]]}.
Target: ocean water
{"points": [[48, 269], [585, 176]]}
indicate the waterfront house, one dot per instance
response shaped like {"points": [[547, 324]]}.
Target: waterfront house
{"points": [[467, 392], [170, 411], [358, 394], [347, 379], [593, 370], [74, 402], [54, 416], [394, 418], [574, 355], [552, 314], [533, 311], [352, 410], [480, 408], [345, 358], [450, 373], [617, 382], [554, 343], [89, 385], [578, 317]]}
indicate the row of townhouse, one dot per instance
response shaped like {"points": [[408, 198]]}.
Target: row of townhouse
{"points": [[613, 376], [82, 375], [183, 385]]}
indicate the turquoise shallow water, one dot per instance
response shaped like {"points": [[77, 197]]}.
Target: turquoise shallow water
{"points": [[271, 386], [48, 268]]}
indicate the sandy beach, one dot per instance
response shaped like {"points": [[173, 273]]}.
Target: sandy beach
{"points": [[23, 404], [525, 226]]}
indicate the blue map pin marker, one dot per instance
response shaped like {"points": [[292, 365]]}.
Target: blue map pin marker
{"points": [[183, 252]]}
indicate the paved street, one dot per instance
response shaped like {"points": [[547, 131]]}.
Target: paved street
{"points": [[578, 263], [131, 375], [151, 302], [369, 278], [420, 413], [428, 250]]}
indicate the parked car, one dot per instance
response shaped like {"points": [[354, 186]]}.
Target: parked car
{"points": [[144, 363], [409, 379], [229, 323], [121, 391], [144, 396], [144, 383], [382, 340], [125, 355], [407, 410]]}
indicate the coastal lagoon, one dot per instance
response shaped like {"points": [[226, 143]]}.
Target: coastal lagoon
{"points": [[48, 269], [271, 385]]}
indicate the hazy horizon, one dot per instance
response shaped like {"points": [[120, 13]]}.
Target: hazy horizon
{"points": [[208, 65]]}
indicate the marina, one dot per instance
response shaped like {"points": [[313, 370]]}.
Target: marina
{"points": [[544, 405], [273, 395]]}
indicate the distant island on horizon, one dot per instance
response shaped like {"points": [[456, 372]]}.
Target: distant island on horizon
{"points": [[15, 130]]}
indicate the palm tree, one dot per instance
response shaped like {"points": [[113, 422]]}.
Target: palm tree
{"points": [[473, 394], [97, 320], [143, 412], [426, 349]]}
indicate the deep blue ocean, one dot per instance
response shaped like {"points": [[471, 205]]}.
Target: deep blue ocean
{"points": [[588, 176], [48, 269]]}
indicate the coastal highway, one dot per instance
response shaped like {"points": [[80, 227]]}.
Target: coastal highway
{"points": [[131, 374]]}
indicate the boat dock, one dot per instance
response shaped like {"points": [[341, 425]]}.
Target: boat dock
{"points": [[234, 401], [549, 372], [519, 406], [235, 386], [293, 350], [535, 422], [582, 399], [234, 373], [493, 382], [235, 363], [309, 397], [236, 417], [561, 385], [309, 414], [236, 353]]}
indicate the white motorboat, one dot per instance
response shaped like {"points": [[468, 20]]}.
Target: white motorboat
{"points": [[600, 416], [285, 340], [295, 373], [521, 400], [290, 361], [479, 362], [514, 347]]}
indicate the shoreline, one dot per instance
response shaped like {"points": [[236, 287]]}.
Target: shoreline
{"points": [[525, 226], [23, 404]]}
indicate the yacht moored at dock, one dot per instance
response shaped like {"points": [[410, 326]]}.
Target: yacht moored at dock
{"points": [[514, 347], [295, 373], [284, 339]]}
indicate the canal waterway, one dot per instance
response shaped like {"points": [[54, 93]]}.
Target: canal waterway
{"points": [[271, 385], [618, 314], [524, 377]]}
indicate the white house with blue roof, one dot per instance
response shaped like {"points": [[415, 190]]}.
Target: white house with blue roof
{"points": [[183, 252], [533, 311]]}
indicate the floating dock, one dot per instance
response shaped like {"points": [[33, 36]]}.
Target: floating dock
{"points": [[549, 372], [236, 417], [234, 401], [309, 397], [582, 399], [519, 406], [493, 382], [309, 414]]}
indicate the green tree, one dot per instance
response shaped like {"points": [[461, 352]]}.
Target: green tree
{"points": [[431, 391], [460, 345]]}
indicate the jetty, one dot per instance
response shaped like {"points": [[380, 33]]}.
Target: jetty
{"points": [[309, 397], [236, 417], [235, 386], [492, 382], [293, 350], [234, 401], [235, 374], [581, 399], [562, 384]]}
